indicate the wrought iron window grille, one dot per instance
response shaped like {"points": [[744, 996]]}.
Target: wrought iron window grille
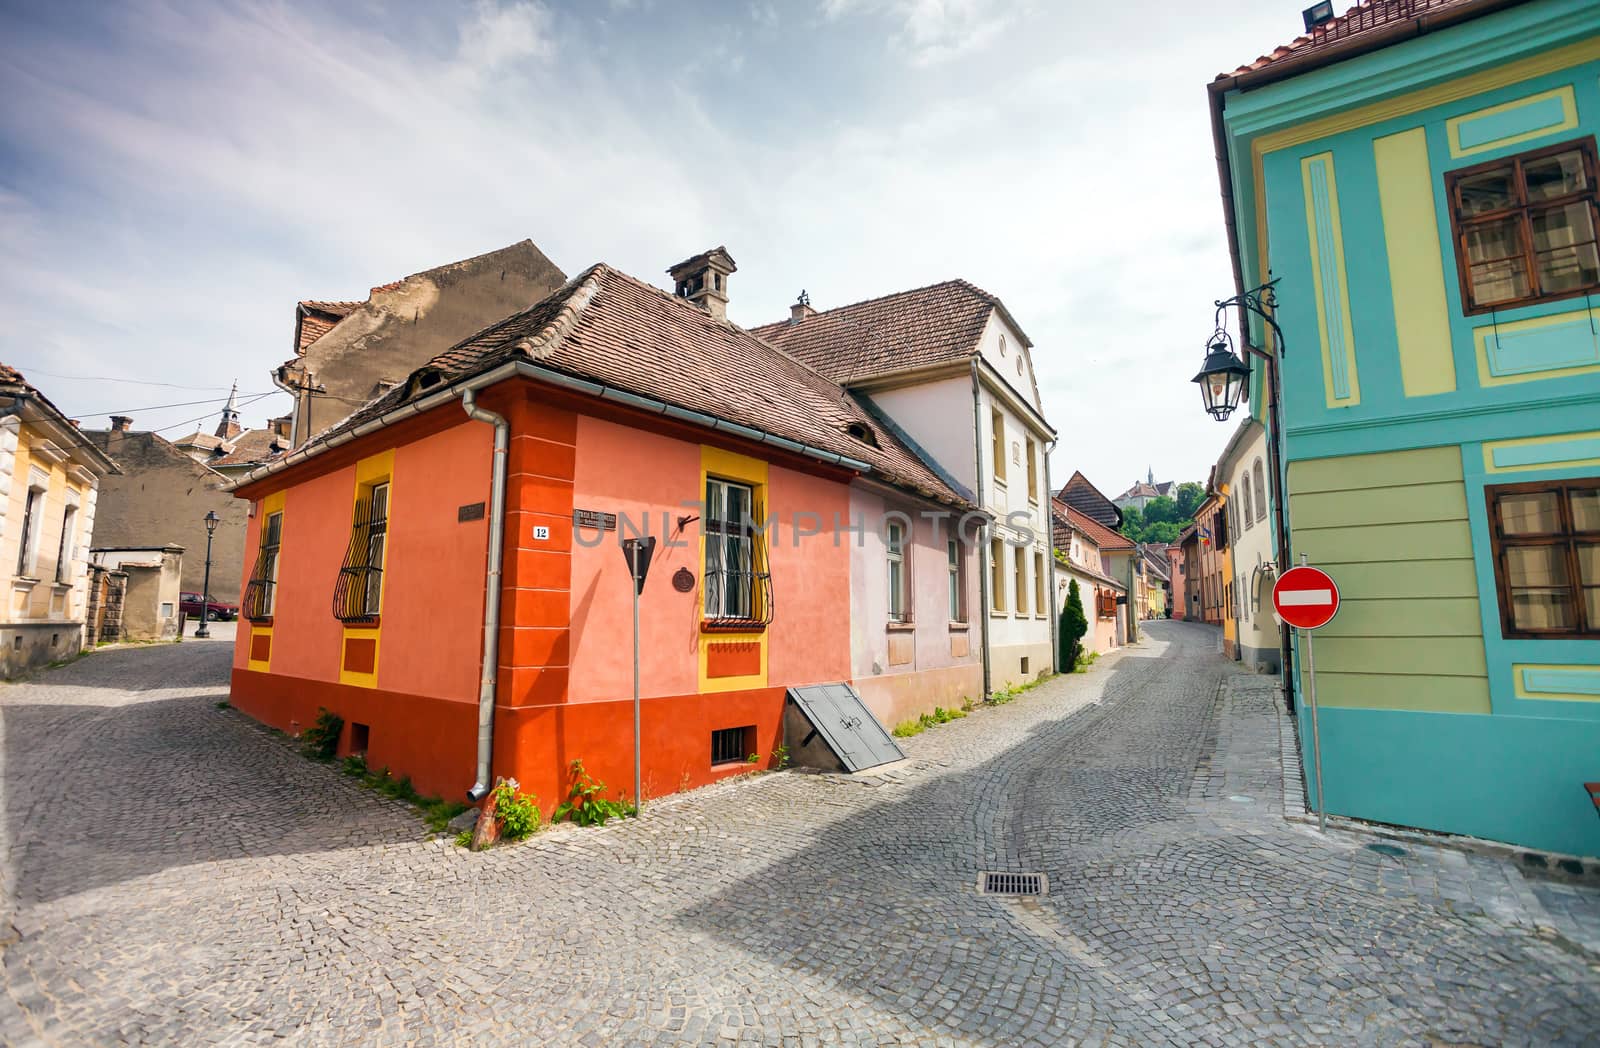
{"points": [[359, 587]]}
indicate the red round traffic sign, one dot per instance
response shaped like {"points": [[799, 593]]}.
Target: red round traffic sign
{"points": [[1305, 598]]}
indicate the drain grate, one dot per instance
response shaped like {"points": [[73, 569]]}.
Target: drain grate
{"points": [[993, 883]]}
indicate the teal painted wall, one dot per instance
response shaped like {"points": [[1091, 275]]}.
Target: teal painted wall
{"points": [[1515, 773]]}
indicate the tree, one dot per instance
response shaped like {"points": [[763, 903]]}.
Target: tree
{"points": [[1161, 510], [1165, 533], [1190, 495], [1074, 624], [1132, 521]]}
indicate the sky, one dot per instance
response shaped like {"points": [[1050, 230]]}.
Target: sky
{"points": [[174, 177]]}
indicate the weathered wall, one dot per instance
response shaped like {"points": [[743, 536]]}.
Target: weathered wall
{"points": [[397, 331], [161, 499]]}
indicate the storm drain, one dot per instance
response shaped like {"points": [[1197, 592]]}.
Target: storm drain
{"points": [[992, 883]]}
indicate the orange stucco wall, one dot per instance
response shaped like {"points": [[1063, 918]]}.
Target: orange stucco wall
{"points": [[565, 673]]}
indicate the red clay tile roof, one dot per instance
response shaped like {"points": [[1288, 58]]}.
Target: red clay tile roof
{"points": [[317, 319], [607, 327], [1098, 533], [250, 447], [1365, 17], [929, 325]]}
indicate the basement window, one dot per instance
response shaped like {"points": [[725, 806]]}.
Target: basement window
{"points": [[731, 745], [360, 734]]}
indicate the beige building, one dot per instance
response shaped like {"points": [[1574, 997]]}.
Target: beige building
{"points": [[161, 499], [151, 602], [49, 481], [346, 353]]}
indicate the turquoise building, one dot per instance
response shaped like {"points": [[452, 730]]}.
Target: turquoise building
{"points": [[1421, 178]]}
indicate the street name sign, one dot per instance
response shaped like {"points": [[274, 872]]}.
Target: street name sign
{"points": [[1305, 598]]}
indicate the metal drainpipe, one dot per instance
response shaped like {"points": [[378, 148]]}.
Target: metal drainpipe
{"points": [[492, 593], [983, 574], [1050, 558]]}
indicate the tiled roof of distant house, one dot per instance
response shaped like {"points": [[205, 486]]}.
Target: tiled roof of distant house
{"points": [[904, 331], [607, 327], [318, 318], [1088, 499], [250, 447], [1359, 22]]}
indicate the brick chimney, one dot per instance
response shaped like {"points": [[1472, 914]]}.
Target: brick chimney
{"points": [[801, 308], [703, 280], [120, 423]]}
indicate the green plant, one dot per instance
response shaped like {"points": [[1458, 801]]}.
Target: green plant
{"points": [[585, 805], [354, 765], [321, 740], [1074, 624], [754, 758], [907, 728], [940, 715], [1088, 660], [517, 813], [223, 704], [780, 757], [464, 839]]}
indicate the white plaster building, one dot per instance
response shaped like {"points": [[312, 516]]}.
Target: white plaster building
{"points": [[949, 368]]}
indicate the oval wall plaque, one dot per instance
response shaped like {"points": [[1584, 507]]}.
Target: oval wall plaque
{"points": [[683, 580]]}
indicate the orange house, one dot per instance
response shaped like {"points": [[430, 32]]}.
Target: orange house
{"points": [[607, 410]]}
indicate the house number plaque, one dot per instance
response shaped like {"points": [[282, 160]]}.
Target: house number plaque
{"points": [[683, 580]]}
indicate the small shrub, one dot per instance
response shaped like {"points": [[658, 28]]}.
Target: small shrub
{"points": [[517, 813], [1074, 624], [585, 805], [780, 757], [464, 838], [907, 728], [754, 758], [321, 740], [354, 765]]}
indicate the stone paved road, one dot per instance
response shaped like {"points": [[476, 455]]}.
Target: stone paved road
{"points": [[175, 874]]}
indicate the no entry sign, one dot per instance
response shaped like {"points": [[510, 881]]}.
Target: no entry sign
{"points": [[1305, 598]]}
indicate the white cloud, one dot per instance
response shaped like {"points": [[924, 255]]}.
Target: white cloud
{"points": [[187, 185]]}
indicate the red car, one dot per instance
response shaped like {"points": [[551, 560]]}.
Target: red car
{"points": [[217, 610]]}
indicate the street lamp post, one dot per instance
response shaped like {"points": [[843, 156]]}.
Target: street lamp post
{"points": [[1222, 381], [211, 520]]}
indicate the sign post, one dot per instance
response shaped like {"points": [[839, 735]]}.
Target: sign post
{"points": [[1307, 599], [638, 552]]}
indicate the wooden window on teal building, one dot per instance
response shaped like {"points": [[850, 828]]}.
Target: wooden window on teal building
{"points": [[1527, 227], [1547, 557]]}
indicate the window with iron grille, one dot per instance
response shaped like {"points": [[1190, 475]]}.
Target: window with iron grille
{"points": [[1526, 227], [738, 586], [261, 592], [729, 745], [895, 552], [358, 592], [1546, 539]]}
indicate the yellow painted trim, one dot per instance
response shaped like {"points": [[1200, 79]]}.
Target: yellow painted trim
{"points": [[1347, 346], [1489, 449], [710, 685], [1416, 269], [360, 680], [743, 469], [370, 472], [259, 665], [1547, 696], [1482, 333], [1569, 107], [1403, 105]]}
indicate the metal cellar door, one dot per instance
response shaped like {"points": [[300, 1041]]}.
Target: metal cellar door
{"points": [[836, 713]]}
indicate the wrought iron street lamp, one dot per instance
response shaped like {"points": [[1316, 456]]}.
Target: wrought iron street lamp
{"points": [[1222, 380], [211, 521]]}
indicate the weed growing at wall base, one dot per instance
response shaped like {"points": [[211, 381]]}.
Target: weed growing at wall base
{"points": [[907, 728], [585, 805], [436, 812]]}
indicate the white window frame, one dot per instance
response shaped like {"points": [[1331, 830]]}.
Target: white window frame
{"points": [[725, 601], [895, 559], [377, 543]]}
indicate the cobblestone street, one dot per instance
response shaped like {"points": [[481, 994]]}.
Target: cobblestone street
{"points": [[176, 874]]}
